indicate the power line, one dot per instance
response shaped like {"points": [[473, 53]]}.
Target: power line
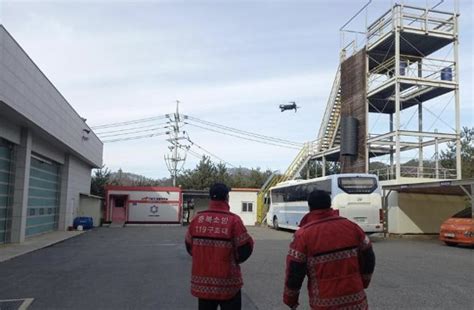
{"points": [[136, 137], [191, 152], [127, 129], [141, 120], [244, 138], [243, 132], [195, 154], [129, 133], [206, 151]]}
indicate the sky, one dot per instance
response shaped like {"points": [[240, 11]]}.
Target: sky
{"points": [[227, 62]]}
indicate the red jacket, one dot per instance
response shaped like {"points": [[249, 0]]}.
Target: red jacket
{"points": [[218, 242], [336, 255]]}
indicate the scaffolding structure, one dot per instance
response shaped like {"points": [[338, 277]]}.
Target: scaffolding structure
{"points": [[401, 74], [393, 71]]}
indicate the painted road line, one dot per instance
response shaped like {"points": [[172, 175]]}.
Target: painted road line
{"points": [[26, 303]]}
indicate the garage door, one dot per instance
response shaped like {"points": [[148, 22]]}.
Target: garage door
{"points": [[5, 189], [43, 197]]}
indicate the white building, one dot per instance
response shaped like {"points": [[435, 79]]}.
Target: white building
{"points": [[47, 150], [243, 202]]}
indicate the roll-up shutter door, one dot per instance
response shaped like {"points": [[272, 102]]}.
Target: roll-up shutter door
{"points": [[43, 197], [6, 178]]}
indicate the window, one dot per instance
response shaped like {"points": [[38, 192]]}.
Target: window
{"points": [[357, 185], [247, 206], [299, 192], [119, 202]]}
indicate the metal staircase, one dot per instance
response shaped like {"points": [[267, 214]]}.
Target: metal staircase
{"points": [[329, 130]]}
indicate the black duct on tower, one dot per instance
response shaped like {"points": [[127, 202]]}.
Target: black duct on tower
{"points": [[349, 128]]}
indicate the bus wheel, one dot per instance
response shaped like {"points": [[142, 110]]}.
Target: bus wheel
{"points": [[275, 223]]}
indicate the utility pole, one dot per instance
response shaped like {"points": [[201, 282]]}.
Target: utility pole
{"points": [[174, 159]]}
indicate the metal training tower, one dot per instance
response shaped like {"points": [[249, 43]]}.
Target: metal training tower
{"points": [[401, 70]]}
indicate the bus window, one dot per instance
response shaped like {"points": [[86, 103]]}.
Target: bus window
{"points": [[357, 185], [321, 185], [277, 195]]}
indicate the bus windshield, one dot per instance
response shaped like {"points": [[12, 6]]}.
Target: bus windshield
{"points": [[357, 185]]}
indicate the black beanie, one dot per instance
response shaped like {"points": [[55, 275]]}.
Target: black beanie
{"points": [[219, 191], [318, 199]]}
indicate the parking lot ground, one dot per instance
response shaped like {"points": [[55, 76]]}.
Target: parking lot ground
{"points": [[148, 268]]}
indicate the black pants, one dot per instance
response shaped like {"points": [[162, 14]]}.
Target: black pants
{"points": [[232, 304]]}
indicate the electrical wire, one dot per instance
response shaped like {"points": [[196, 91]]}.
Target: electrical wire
{"points": [[209, 153], [243, 132], [243, 138], [191, 152], [246, 133], [129, 133], [127, 129], [135, 138], [195, 154], [136, 121]]}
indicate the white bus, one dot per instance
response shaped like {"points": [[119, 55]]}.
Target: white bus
{"points": [[356, 197]]}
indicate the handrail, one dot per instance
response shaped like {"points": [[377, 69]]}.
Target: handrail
{"points": [[427, 19], [269, 180], [355, 15], [415, 171], [378, 19], [429, 10], [330, 104]]}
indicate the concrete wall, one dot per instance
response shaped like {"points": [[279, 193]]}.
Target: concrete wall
{"points": [[79, 181], [9, 130], [236, 198], [47, 150], [420, 213], [26, 90]]}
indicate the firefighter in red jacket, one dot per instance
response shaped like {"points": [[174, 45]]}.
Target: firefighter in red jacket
{"points": [[336, 255], [218, 242]]}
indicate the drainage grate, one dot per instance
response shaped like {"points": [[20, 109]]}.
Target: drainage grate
{"points": [[15, 304]]}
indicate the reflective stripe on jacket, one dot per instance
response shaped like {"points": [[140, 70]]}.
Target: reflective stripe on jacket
{"points": [[337, 257], [218, 242]]}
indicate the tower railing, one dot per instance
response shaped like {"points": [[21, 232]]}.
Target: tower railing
{"points": [[412, 67], [410, 18], [387, 173]]}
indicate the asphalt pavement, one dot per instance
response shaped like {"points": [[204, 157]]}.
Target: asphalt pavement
{"points": [[148, 268]]}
